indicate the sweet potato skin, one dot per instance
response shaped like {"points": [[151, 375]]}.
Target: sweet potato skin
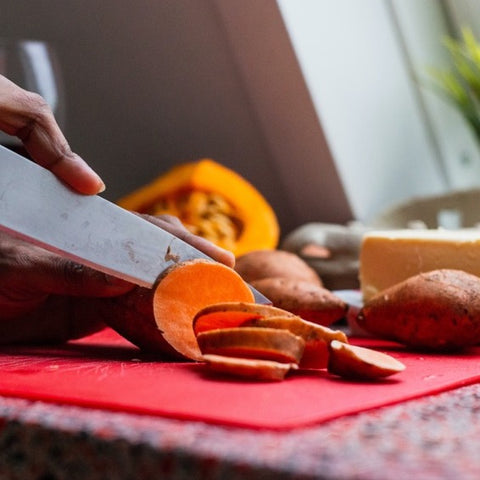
{"points": [[361, 363], [317, 337], [310, 301], [143, 317], [275, 263], [233, 314], [239, 314], [131, 315], [259, 343], [253, 369], [438, 310]]}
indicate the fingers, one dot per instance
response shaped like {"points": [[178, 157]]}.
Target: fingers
{"points": [[173, 225], [65, 277], [58, 319], [27, 116], [27, 271], [59, 276]]}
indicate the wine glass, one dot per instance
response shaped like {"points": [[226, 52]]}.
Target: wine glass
{"points": [[34, 66]]}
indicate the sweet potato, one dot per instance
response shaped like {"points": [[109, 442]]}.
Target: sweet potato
{"points": [[351, 361], [161, 320], [317, 337], [237, 314], [254, 369], [258, 343], [131, 315], [298, 326], [232, 330], [232, 314], [186, 289], [437, 310], [275, 263], [307, 300]]}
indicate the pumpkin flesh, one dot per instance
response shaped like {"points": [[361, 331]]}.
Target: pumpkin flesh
{"points": [[212, 201]]}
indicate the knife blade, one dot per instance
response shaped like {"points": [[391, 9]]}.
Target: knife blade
{"points": [[90, 230]]}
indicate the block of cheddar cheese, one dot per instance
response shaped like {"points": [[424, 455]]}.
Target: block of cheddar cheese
{"points": [[391, 256]]}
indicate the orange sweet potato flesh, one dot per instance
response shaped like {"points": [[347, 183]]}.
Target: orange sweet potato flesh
{"points": [[258, 343], [438, 310], [186, 289], [253, 369], [232, 314], [317, 337], [238, 314], [159, 321], [362, 363], [221, 319]]}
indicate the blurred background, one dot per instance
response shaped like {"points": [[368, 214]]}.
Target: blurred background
{"points": [[322, 105]]}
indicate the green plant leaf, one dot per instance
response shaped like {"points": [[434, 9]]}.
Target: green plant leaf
{"points": [[461, 83]]}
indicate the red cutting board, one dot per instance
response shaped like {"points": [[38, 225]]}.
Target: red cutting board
{"points": [[105, 371]]}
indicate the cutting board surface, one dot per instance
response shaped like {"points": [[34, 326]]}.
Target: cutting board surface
{"points": [[105, 371]]}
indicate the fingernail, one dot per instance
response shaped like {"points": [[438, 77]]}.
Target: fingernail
{"points": [[102, 186], [100, 183]]}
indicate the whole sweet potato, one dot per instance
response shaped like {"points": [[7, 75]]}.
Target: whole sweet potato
{"points": [[275, 263], [307, 300], [437, 310]]}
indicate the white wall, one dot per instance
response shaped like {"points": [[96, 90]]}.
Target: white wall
{"points": [[424, 26], [364, 63]]}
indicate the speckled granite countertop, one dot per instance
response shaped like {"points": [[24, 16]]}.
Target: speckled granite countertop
{"points": [[435, 437]]}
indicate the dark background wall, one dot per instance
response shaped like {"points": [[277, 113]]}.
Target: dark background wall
{"points": [[149, 84]]}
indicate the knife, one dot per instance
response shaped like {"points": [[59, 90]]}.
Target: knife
{"points": [[88, 229]]}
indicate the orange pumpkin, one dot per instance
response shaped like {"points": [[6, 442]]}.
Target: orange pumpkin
{"points": [[213, 202]]}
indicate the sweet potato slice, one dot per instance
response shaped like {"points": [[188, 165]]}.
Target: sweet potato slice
{"points": [[302, 328], [265, 370], [317, 337], [238, 314], [259, 343], [187, 288], [221, 319], [248, 307], [232, 314], [351, 361]]}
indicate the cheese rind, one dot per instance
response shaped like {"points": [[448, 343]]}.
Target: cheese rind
{"points": [[391, 256]]}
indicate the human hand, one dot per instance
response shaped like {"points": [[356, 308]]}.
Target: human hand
{"points": [[27, 116], [45, 298], [174, 225]]}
